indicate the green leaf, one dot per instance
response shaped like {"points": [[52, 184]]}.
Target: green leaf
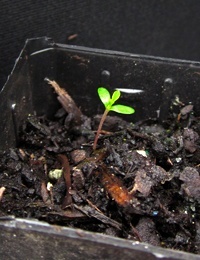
{"points": [[115, 96], [123, 109], [104, 95]]}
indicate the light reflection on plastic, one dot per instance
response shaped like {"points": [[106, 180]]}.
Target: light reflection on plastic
{"points": [[130, 90]]}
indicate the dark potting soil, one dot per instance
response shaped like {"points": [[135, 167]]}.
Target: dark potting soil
{"points": [[142, 183]]}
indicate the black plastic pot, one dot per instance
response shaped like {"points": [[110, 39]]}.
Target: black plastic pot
{"points": [[81, 71]]}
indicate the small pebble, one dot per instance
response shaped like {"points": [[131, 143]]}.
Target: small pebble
{"points": [[78, 155]]}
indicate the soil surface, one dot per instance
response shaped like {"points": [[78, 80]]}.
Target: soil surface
{"points": [[141, 183]]}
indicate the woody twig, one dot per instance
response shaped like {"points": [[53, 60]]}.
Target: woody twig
{"points": [[66, 101]]}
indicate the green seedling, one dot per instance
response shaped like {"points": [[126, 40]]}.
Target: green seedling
{"points": [[109, 103]]}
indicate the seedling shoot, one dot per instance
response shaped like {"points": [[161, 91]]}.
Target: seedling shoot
{"points": [[109, 103]]}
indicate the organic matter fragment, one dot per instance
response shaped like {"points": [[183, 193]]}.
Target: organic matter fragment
{"points": [[67, 176], [67, 102], [114, 186], [191, 179], [45, 193], [2, 189], [147, 230], [91, 212], [148, 177], [190, 139]]}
